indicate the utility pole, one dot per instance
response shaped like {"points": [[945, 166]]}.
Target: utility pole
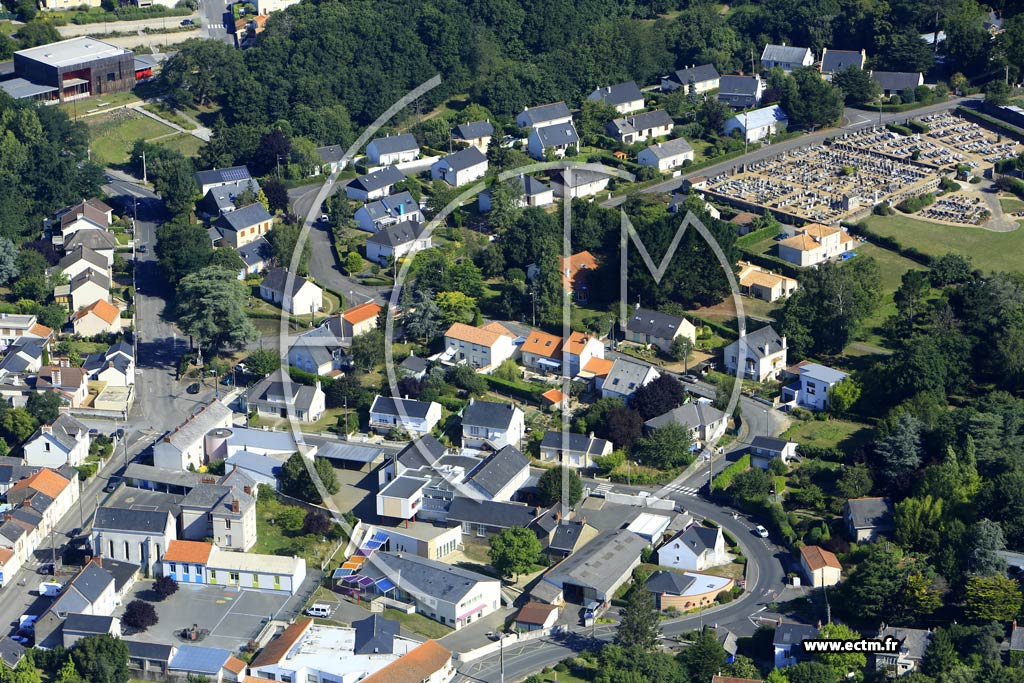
{"points": [[144, 167], [501, 655]]}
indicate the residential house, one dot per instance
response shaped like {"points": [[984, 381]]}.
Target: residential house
{"points": [[11, 652], [820, 567], [740, 92], [262, 469], [430, 662], [764, 357], [421, 453], [814, 244], [82, 258], [277, 395], [149, 659], [761, 283], [136, 536], [640, 127], [544, 115], [595, 571], [293, 293], [566, 536], [868, 518], [99, 317], [49, 494], [913, 643], [543, 352], [666, 156], [219, 177], [414, 366], [14, 326], [704, 422], [89, 215], [65, 441], [654, 328], [451, 595], [815, 386], [225, 514], [245, 225], [532, 192], [697, 548], [474, 134], [785, 57], [115, 366], [359, 319], [331, 157], [24, 356], [764, 449], [491, 425], [1016, 645], [758, 124], [835, 61], [685, 591], [78, 626], [788, 643], [402, 497], [222, 199], [392, 149], [499, 475], [576, 271], [625, 98], [184, 446], [896, 83], [536, 616], [695, 79], [486, 518], [625, 377], [71, 383], [256, 255], [573, 450], [96, 590], [391, 210], [102, 242], [482, 348], [379, 183], [84, 289], [415, 417], [577, 183], [396, 241], [318, 352], [554, 140]]}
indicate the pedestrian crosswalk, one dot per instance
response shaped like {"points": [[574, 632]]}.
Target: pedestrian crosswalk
{"points": [[215, 26], [602, 490], [685, 490]]}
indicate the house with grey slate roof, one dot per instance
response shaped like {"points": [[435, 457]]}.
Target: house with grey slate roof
{"points": [[247, 224], [555, 139], [573, 450], [649, 327], [219, 177], [575, 183], [665, 156], [544, 115], [475, 134], [375, 185], [318, 352], [279, 396], [625, 377], [913, 644], [221, 199], [256, 255], [765, 357], [293, 293], [459, 168], [414, 417], [78, 626], [640, 127], [740, 92], [11, 652], [136, 536], [868, 518], [115, 366], [701, 78], [225, 514], [486, 424], [532, 192], [764, 449], [788, 643], [397, 241], [387, 211], [785, 57], [485, 518], [393, 149], [703, 421], [331, 157], [422, 452], [183, 447], [834, 61], [896, 82], [63, 441], [625, 98], [697, 548], [500, 474]]}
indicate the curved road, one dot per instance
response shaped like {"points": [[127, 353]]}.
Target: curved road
{"points": [[764, 581]]}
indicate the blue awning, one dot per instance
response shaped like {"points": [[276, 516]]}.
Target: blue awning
{"points": [[385, 585], [373, 545], [380, 536], [548, 363], [340, 573]]}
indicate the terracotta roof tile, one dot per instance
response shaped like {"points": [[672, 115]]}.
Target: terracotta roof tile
{"points": [[234, 665], [46, 481], [193, 552], [104, 310], [817, 558], [572, 266], [474, 335], [276, 649], [577, 340], [362, 312], [415, 666], [553, 396], [543, 344], [41, 331], [599, 366], [535, 613]]}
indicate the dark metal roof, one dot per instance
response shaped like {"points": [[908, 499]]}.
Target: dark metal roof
{"points": [[491, 513], [375, 635], [620, 93], [498, 469], [120, 519], [671, 583]]}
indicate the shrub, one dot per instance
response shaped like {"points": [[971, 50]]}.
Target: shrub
{"points": [[139, 615], [949, 185], [724, 598], [915, 204], [897, 128], [165, 587], [917, 127], [724, 479]]}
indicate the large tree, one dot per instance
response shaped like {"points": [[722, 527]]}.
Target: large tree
{"points": [[666, 448], [658, 397], [814, 102], [211, 308], [514, 551], [182, 249], [638, 620], [992, 598], [101, 659], [550, 485], [898, 454], [857, 85], [842, 663], [705, 656]]}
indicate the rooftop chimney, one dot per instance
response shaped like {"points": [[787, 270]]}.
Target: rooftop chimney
{"points": [[234, 505]]}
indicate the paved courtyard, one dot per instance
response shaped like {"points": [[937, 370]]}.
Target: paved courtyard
{"points": [[233, 617]]}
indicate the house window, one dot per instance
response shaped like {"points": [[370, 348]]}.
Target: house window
{"points": [[127, 552], [811, 389], [233, 577], [277, 583], [227, 524], [111, 546], [174, 567], [46, 446], [110, 77], [311, 678]]}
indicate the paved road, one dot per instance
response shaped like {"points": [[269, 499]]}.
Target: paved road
{"points": [[322, 264], [764, 582], [853, 119], [159, 23], [213, 17]]}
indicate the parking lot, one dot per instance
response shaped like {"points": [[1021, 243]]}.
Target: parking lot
{"points": [[233, 617]]}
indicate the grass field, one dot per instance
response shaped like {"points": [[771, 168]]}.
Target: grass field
{"points": [[95, 104], [892, 267], [989, 251], [829, 433], [1011, 204], [188, 145], [112, 135], [165, 112], [418, 623]]}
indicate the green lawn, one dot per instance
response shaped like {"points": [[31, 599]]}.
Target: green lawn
{"points": [[1011, 204], [113, 135], [989, 251], [79, 108], [165, 112], [418, 623], [830, 433], [273, 540], [892, 267], [188, 145]]}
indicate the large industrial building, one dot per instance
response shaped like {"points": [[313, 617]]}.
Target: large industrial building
{"points": [[73, 69]]}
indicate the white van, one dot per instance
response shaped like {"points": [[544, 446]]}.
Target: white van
{"points": [[320, 609]]}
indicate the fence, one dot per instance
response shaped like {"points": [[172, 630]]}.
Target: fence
{"points": [[640, 501], [509, 640]]}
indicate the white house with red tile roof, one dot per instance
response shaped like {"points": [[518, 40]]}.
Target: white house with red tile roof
{"points": [[99, 317], [359, 319], [482, 348]]}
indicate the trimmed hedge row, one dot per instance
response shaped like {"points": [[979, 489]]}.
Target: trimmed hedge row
{"points": [[897, 128], [918, 127], [890, 243], [822, 453], [756, 236], [772, 263], [519, 391], [1010, 184], [979, 117], [725, 477]]}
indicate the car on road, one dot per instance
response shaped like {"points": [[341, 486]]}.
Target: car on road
{"points": [[187, 22], [241, 367], [117, 433], [323, 218], [761, 531], [94, 432], [193, 388], [109, 179], [112, 484], [689, 379], [45, 568], [492, 635], [142, 248]]}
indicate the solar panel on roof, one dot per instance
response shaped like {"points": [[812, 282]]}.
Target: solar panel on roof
{"points": [[235, 174], [384, 585], [351, 579], [340, 573]]}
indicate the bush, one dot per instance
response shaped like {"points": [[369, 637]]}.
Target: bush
{"points": [[897, 128], [949, 185], [1008, 184], [724, 479], [87, 470], [139, 615], [917, 127], [724, 598], [165, 587], [915, 204], [883, 209]]}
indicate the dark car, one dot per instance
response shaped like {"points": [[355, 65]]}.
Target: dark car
{"points": [[187, 22], [112, 484], [193, 388], [142, 248], [46, 568]]}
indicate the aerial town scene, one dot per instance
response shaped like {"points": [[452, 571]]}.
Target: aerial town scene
{"points": [[446, 341]]}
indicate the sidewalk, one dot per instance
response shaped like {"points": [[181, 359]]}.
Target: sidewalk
{"points": [[74, 30], [200, 132]]}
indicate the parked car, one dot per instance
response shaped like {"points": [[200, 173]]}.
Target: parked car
{"points": [[187, 22], [45, 568], [761, 531], [323, 218], [112, 484], [689, 379], [142, 248], [193, 388]]}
